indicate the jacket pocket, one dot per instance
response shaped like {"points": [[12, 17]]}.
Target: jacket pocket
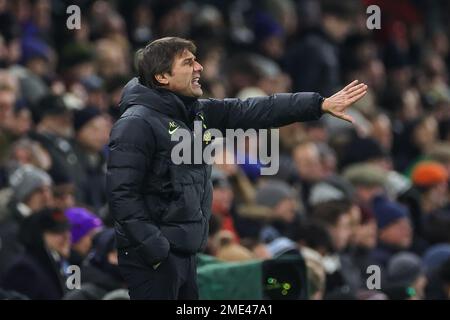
{"points": [[184, 203], [185, 207]]}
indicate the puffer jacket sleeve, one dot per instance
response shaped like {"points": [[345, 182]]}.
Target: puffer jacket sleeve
{"points": [[131, 147], [262, 112]]}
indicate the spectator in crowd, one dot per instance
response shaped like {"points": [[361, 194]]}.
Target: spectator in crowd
{"points": [[91, 135], [229, 250], [39, 272], [316, 274], [64, 193], [436, 227], [405, 277], [445, 277], [309, 167], [53, 131], [418, 136], [223, 200], [434, 261], [430, 214], [319, 50], [100, 274], [314, 236], [431, 180], [77, 63], [26, 151], [364, 240], [368, 181], [7, 101], [394, 230], [382, 131], [36, 58], [279, 197], [336, 216], [30, 192], [96, 95], [84, 225], [365, 150]]}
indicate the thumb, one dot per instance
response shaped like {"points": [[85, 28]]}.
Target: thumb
{"points": [[345, 117]]}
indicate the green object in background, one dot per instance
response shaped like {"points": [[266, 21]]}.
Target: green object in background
{"points": [[281, 278], [219, 280], [204, 259]]}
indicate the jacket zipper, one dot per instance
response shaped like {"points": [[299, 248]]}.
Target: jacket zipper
{"points": [[205, 183]]}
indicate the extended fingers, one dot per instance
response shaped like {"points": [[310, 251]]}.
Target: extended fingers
{"points": [[357, 88], [357, 91], [358, 96], [350, 85]]}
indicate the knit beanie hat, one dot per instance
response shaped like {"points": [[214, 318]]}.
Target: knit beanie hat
{"points": [[82, 222], [272, 193], [83, 116], [429, 173], [404, 268], [388, 212], [26, 180]]}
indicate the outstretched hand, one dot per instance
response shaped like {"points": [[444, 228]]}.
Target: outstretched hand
{"points": [[337, 104]]}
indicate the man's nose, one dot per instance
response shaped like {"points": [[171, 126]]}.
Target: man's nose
{"points": [[198, 67]]}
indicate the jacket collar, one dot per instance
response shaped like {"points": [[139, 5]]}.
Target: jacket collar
{"points": [[159, 99]]}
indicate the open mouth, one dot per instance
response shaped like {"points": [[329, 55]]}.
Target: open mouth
{"points": [[195, 81]]}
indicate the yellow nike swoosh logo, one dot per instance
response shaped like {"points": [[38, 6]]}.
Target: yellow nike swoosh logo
{"points": [[173, 130]]}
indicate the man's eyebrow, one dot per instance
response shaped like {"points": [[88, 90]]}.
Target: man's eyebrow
{"points": [[190, 58]]}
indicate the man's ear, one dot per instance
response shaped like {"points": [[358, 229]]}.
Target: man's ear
{"points": [[162, 79]]}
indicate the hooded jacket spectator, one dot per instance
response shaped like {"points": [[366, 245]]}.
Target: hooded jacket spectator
{"points": [[57, 141], [99, 275], [387, 214], [433, 260], [91, 179], [39, 272], [24, 182]]}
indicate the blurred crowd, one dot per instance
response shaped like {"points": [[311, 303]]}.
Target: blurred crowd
{"points": [[346, 196]]}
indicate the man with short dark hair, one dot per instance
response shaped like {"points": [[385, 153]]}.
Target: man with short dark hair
{"points": [[53, 131], [161, 209], [336, 216]]}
